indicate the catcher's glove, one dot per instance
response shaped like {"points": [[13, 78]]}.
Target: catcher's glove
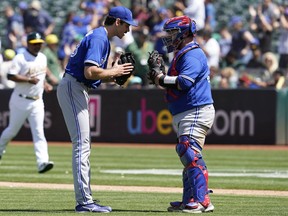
{"points": [[156, 65], [125, 58]]}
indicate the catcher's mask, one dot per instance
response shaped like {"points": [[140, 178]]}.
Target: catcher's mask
{"points": [[177, 29]]}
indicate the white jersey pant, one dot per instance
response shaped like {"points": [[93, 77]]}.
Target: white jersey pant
{"points": [[195, 123], [73, 99], [32, 110]]}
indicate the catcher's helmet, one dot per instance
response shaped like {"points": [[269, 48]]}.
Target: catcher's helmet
{"points": [[178, 28]]}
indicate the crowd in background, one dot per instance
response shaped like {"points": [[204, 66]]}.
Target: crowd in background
{"points": [[240, 52]]}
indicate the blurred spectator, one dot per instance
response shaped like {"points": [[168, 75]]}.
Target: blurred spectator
{"points": [[38, 19], [215, 78], [195, 9], [134, 82], [74, 29], [157, 33], [94, 11], [15, 29], [140, 49], [255, 67], [278, 81], [231, 60], [210, 15], [270, 62], [225, 41], [84, 23], [50, 51], [247, 81], [67, 36], [100, 7], [229, 78], [256, 60], [283, 39], [155, 4], [264, 20], [124, 42], [140, 13], [241, 39], [210, 46], [5, 66]]}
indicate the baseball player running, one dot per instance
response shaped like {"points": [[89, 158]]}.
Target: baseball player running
{"points": [[188, 94], [86, 69], [28, 71]]}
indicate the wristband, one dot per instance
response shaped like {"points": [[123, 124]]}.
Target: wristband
{"points": [[168, 81]]}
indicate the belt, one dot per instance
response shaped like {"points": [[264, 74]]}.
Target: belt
{"points": [[29, 97], [67, 74]]}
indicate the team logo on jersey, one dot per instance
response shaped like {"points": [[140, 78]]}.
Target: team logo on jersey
{"points": [[95, 114]]}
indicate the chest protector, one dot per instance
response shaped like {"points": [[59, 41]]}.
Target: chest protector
{"points": [[174, 94]]}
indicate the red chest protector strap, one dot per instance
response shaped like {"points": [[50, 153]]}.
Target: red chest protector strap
{"points": [[173, 71], [170, 93]]}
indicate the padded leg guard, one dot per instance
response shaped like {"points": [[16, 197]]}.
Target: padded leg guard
{"points": [[197, 183], [187, 189], [195, 175]]}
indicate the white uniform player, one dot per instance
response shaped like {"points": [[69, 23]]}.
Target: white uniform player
{"points": [[28, 71]]}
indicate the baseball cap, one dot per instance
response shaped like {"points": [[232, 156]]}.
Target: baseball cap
{"points": [[51, 39], [9, 54], [123, 14], [135, 80], [36, 4], [234, 20], [23, 5], [34, 37]]}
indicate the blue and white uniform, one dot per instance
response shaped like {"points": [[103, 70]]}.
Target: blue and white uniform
{"points": [[192, 107], [93, 49], [72, 94], [193, 115]]}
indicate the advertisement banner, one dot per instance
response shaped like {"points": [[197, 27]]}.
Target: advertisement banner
{"points": [[243, 116]]}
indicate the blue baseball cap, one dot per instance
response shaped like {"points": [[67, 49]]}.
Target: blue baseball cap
{"points": [[235, 20], [123, 14]]}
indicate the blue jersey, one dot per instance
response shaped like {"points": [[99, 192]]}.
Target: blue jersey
{"points": [[93, 49], [190, 65]]}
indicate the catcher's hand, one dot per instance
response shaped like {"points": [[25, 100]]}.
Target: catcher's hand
{"points": [[125, 58], [156, 66]]}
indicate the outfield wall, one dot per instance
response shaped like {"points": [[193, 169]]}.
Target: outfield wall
{"points": [[140, 116]]}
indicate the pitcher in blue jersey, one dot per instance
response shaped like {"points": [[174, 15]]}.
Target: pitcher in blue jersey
{"points": [[86, 69], [189, 99]]}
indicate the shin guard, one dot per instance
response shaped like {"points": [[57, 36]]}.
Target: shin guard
{"points": [[195, 175]]}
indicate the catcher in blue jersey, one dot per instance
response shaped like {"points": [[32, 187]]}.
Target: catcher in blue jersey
{"points": [[86, 69], [188, 94]]}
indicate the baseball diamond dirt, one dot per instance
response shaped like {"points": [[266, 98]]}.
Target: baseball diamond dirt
{"points": [[141, 189]]}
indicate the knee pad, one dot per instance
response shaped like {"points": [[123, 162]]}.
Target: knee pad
{"points": [[184, 151]]}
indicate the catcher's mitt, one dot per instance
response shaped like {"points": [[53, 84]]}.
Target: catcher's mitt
{"points": [[125, 58], [156, 65]]}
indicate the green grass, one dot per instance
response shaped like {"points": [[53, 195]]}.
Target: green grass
{"points": [[18, 165], [61, 202]]}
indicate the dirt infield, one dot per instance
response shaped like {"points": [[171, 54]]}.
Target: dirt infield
{"points": [[141, 189]]}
